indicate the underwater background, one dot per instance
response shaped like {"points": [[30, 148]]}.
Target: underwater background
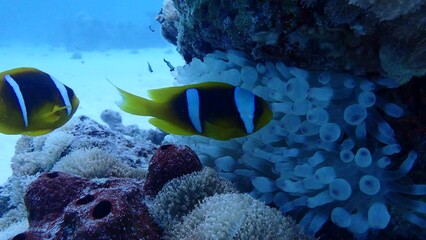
{"points": [[293, 119], [82, 44]]}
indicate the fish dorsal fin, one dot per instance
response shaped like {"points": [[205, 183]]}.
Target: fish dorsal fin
{"points": [[20, 70], [170, 127], [165, 94], [162, 95]]}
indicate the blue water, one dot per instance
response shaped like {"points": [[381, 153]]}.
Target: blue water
{"points": [[81, 24], [115, 39]]}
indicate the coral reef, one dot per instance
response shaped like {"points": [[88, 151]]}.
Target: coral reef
{"points": [[380, 37], [82, 147], [129, 149], [114, 121], [328, 155], [65, 206]]}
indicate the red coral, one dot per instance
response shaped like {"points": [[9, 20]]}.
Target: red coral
{"points": [[168, 162]]}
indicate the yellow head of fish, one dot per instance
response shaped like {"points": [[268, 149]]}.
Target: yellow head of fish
{"points": [[33, 103]]}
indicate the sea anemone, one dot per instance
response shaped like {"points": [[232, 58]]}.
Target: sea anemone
{"points": [[326, 153]]}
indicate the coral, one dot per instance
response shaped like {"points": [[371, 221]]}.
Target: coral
{"points": [[169, 20], [78, 208], [12, 200], [16, 214], [235, 216], [179, 196], [327, 155], [82, 147], [61, 187], [14, 230], [389, 9], [200, 205], [168, 162], [403, 60], [361, 37], [96, 163], [40, 154], [65, 206], [114, 121]]}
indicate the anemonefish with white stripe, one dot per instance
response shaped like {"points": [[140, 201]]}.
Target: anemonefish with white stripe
{"points": [[33, 103], [212, 109]]}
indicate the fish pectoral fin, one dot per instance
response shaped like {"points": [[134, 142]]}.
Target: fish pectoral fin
{"points": [[52, 116], [170, 127], [57, 108]]}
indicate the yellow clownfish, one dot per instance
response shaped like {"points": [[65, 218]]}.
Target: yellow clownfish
{"points": [[212, 109], [33, 103]]}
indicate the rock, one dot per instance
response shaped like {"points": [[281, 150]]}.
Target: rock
{"points": [[333, 35], [169, 20]]}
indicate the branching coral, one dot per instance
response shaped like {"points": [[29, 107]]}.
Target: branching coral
{"points": [[325, 155]]}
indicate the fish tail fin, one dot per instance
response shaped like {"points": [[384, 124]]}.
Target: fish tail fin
{"points": [[136, 105]]}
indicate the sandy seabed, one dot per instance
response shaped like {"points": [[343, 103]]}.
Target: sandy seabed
{"points": [[87, 76]]}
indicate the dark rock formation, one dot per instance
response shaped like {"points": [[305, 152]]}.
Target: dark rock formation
{"points": [[375, 38]]}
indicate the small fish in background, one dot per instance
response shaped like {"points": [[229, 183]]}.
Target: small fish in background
{"points": [[149, 67], [212, 109], [169, 65], [150, 28], [33, 103]]}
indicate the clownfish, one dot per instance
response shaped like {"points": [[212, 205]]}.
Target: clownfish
{"points": [[212, 109], [33, 103]]}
